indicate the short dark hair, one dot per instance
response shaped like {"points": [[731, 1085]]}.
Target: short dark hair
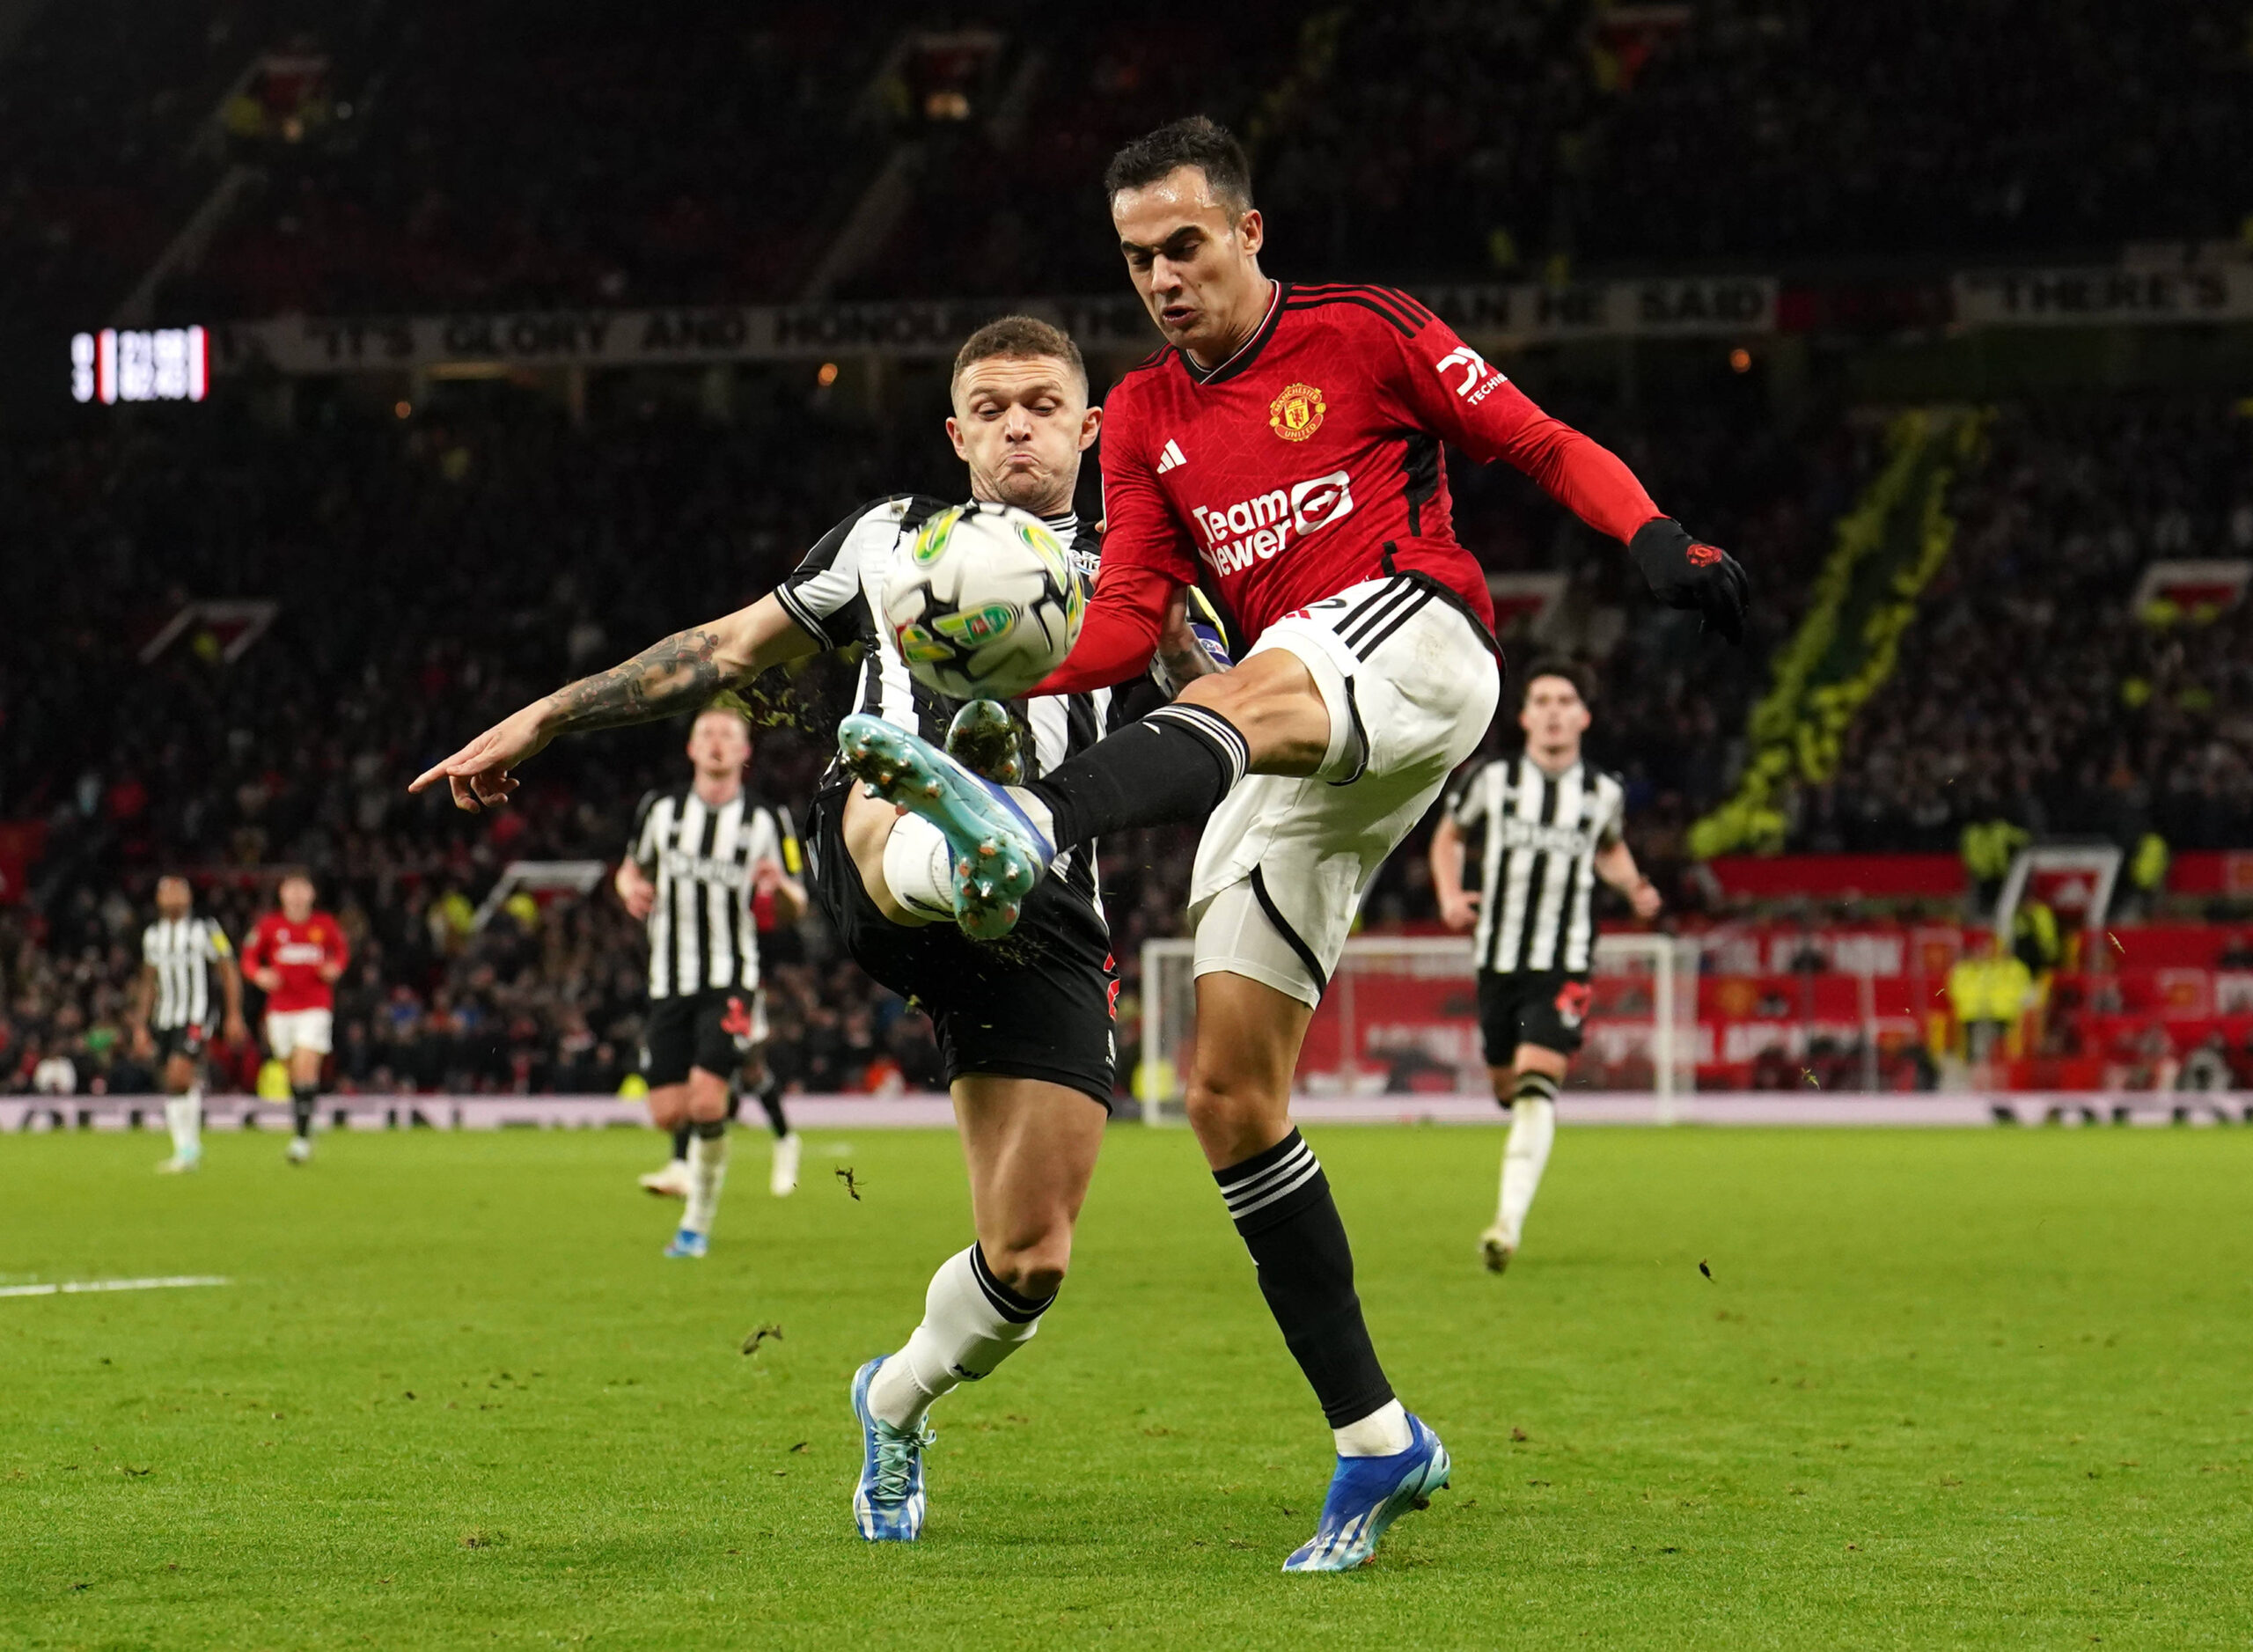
{"points": [[1196, 141], [1018, 336], [1571, 671]]}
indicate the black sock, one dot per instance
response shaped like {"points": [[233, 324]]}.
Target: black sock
{"points": [[710, 1129], [680, 1143], [301, 1108], [1282, 1203], [770, 1099], [1531, 1086], [1173, 767]]}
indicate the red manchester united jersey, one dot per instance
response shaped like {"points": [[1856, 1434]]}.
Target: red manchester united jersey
{"points": [[296, 951], [1309, 461]]}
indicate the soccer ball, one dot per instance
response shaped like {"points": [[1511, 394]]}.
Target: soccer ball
{"points": [[984, 601]]}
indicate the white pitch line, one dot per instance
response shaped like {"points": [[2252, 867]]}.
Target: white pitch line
{"points": [[71, 1286]]}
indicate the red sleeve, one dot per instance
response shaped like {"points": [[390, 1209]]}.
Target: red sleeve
{"points": [[1146, 556], [339, 950], [254, 947], [1461, 399]]}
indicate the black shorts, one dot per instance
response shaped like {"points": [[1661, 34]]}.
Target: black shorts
{"points": [[712, 1030], [187, 1040], [1544, 1007], [1036, 1004]]}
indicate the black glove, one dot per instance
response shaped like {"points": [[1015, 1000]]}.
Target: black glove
{"points": [[1683, 573]]}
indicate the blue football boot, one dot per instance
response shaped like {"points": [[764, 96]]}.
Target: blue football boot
{"points": [[888, 1504], [1367, 1494], [999, 854], [689, 1244]]}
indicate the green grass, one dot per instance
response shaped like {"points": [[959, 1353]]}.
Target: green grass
{"points": [[1946, 1388]]}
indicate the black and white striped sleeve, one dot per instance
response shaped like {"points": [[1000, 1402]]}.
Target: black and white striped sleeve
{"points": [[1466, 799], [766, 830], [216, 944], [640, 843], [1613, 826], [794, 860], [823, 593]]}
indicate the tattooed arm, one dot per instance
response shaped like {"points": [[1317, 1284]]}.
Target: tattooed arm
{"points": [[679, 674]]}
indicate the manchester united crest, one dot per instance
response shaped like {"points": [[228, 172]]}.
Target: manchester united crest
{"points": [[1296, 413]]}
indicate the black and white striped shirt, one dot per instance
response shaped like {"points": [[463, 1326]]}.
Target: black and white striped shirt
{"points": [[1534, 839], [182, 951], [835, 593], [702, 859]]}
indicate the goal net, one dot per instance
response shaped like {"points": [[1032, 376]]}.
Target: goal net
{"points": [[1401, 1021]]}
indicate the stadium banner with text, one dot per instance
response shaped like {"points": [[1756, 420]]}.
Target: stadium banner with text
{"points": [[1691, 307], [2099, 296]]}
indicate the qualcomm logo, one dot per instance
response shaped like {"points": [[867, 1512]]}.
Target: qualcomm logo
{"points": [[1254, 530]]}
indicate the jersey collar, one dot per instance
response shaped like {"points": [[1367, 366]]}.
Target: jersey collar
{"points": [[1247, 352], [1065, 523]]}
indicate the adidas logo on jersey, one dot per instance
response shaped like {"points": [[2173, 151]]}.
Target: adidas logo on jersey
{"points": [[1170, 455]]}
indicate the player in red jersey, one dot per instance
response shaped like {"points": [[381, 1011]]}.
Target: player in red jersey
{"points": [[295, 957], [1286, 447]]}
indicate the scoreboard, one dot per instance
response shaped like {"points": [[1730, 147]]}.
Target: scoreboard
{"points": [[136, 365]]}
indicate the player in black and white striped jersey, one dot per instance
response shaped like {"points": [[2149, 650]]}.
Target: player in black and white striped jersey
{"points": [[172, 1015], [1024, 1030], [1546, 826], [698, 857]]}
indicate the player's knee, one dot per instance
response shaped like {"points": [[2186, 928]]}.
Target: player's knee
{"points": [[1033, 1268], [1273, 701], [706, 1096], [1233, 1111], [669, 1107]]}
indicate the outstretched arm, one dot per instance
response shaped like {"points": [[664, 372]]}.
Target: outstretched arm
{"points": [[1456, 394], [1124, 624], [680, 673], [1138, 609]]}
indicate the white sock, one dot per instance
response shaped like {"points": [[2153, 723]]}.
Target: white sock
{"points": [[970, 1324], [1382, 1433], [183, 1116], [919, 868], [708, 1169], [1533, 1126]]}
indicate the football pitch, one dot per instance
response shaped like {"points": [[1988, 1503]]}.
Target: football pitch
{"points": [[1980, 1388]]}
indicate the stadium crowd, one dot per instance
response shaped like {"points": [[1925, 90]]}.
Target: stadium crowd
{"points": [[417, 157], [2055, 531]]}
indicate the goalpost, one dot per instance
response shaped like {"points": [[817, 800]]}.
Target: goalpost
{"points": [[1400, 1024]]}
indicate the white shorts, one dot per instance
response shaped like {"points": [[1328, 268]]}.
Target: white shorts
{"points": [[299, 1030], [1411, 685]]}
